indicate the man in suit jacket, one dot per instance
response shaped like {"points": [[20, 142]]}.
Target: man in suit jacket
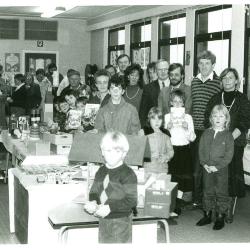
{"points": [[176, 77], [152, 90]]}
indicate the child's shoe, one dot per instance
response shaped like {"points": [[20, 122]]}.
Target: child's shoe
{"points": [[206, 219]]}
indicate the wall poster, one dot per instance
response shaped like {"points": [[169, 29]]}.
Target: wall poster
{"points": [[12, 62]]}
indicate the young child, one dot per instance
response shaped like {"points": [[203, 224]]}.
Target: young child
{"points": [[182, 133], [216, 150], [117, 114], [86, 122], [114, 191], [70, 98], [61, 115], [161, 148]]}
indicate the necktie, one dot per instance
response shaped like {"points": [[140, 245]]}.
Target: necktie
{"points": [[104, 197]]}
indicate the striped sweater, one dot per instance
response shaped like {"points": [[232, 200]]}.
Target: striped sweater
{"points": [[201, 93]]}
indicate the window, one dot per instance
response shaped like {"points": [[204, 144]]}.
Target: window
{"points": [[41, 30], [213, 32], [9, 29], [140, 43], [172, 32], [116, 44]]}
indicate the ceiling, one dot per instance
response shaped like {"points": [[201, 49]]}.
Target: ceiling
{"points": [[80, 12]]}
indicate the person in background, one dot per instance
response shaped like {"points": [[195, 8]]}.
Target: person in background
{"points": [[151, 91], [203, 87], [161, 148], [134, 85], [151, 72], [102, 95], [239, 109], [113, 194], [60, 117], [76, 86], [110, 69], [182, 133], [64, 83], [176, 76], [123, 61], [44, 85], [216, 152], [87, 123], [90, 71], [17, 101], [117, 114], [70, 98], [33, 97]]}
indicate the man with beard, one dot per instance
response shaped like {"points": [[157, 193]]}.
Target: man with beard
{"points": [[176, 77]]}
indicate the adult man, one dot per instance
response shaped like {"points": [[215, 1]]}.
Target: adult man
{"points": [[123, 61], [176, 77], [203, 87], [151, 91], [75, 85]]}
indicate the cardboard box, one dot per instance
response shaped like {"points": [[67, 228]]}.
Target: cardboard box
{"points": [[61, 149], [161, 202], [58, 139], [38, 148]]}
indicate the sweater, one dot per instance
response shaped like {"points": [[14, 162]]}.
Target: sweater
{"points": [[121, 191], [121, 117], [216, 151], [201, 93]]}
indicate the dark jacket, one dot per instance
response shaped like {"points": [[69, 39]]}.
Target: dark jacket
{"points": [[19, 97], [239, 115], [149, 99], [34, 97]]}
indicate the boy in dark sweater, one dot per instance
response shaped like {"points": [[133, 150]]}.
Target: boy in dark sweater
{"points": [[114, 191]]}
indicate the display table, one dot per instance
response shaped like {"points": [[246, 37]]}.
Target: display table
{"points": [[29, 203]]}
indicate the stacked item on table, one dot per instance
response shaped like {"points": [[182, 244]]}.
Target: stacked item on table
{"points": [[34, 132], [60, 142]]}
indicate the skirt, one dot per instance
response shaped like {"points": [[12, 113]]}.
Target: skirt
{"points": [[180, 168]]}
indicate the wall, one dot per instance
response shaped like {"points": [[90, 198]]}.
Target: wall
{"points": [[73, 45], [97, 47]]}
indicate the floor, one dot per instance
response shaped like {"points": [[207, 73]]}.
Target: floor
{"points": [[184, 231]]}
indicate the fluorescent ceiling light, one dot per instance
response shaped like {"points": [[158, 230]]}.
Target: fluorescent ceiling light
{"points": [[53, 12]]}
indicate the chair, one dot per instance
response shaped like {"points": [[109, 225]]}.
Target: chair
{"points": [[146, 231]]}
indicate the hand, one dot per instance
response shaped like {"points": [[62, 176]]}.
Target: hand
{"points": [[185, 125], [9, 99], [236, 133], [170, 125], [102, 211], [91, 207], [207, 168], [213, 169]]}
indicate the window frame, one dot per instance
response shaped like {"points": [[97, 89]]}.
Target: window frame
{"points": [[114, 47], [18, 28], [139, 45], [171, 41], [212, 36]]}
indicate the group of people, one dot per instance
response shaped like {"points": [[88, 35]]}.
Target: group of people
{"points": [[196, 132]]}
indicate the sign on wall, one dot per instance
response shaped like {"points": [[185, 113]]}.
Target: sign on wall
{"points": [[12, 62]]}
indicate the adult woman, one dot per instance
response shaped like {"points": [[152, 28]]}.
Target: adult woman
{"points": [[134, 81], [239, 110]]}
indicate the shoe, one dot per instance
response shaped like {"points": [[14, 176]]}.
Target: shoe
{"points": [[177, 211], [219, 223], [230, 213], [206, 219]]}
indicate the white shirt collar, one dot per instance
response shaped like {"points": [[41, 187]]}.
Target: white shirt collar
{"points": [[211, 76]]}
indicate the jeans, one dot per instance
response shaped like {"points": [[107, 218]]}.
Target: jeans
{"points": [[115, 230]]}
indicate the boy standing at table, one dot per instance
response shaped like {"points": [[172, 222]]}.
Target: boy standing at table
{"points": [[114, 191]]}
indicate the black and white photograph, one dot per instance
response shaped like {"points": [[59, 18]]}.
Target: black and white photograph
{"points": [[124, 123]]}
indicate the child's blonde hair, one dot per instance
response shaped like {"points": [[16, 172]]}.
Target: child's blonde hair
{"points": [[114, 140], [223, 109]]}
